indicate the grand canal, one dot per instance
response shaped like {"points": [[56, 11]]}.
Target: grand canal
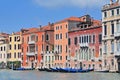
{"points": [[36, 75]]}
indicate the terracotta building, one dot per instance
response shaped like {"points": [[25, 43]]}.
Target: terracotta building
{"points": [[61, 29], [84, 42], [36, 43]]}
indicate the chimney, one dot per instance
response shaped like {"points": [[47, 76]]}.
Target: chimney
{"points": [[40, 27], [111, 1], [49, 23]]}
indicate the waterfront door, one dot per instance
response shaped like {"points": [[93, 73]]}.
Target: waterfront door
{"points": [[118, 66], [80, 65]]}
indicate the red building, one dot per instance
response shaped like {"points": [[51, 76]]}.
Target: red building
{"points": [[84, 43], [36, 42]]}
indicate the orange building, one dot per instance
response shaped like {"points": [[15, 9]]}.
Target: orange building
{"points": [[35, 43], [61, 29]]}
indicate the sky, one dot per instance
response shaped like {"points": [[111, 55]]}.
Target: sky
{"points": [[17, 14]]}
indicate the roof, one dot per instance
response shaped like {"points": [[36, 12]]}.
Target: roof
{"points": [[40, 29], [110, 6], [4, 34], [70, 19]]}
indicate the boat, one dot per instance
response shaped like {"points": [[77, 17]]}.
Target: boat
{"points": [[48, 70], [41, 69], [22, 69], [54, 69], [104, 71]]}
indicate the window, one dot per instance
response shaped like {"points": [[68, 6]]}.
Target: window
{"points": [[42, 37], [1, 48], [66, 35], [105, 14], [93, 39], [10, 47], [112, 28], [61, 36], [14, 55], [75, 40], [118, 11], [4, 48], [15, 39], [61, 48], [23, 40], [10, 39], [118, 26], [89, 39], [105, 47], [118, 46], [15, 46], [100, 38], [61, 27], [69, 41], [105, 30], [47, 48], [66, 48], [100, 52], [19, 46], [28, 38], [36, 38], [66, 25], [66, 57], [47, 37], [84, 39], [112, 46], [112, 12], [56, 36], [42, 47], [79, 39]]}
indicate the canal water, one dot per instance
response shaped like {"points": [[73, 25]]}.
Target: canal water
{"points": [[37, 75]]}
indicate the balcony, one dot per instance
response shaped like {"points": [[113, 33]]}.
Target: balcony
{"points": [[117, 53], [117, 34], [31, 42], [84, 44], [31, 53]]}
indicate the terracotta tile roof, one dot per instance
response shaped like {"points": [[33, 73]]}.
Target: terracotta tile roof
{"points": [[4, 34], [70, 19], [32, 30], [17, 33]]}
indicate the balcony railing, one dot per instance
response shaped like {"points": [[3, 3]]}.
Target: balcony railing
{"points": [[31, 42], [117, 53], [84, 44], [31, 53], [117, 34]]}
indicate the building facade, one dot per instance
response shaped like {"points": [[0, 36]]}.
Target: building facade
{"points": [[85, 48], [14, 49], [3, 49], [37, 46], [61, 29], [111, 35]]}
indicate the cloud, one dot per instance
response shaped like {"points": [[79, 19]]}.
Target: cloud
{"points": [[72, 3]]}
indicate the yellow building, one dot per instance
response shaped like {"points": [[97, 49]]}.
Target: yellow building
{"points": [[14, 52]]}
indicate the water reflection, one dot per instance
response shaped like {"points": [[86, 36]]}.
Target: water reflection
{"points": [[36, 75]]}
